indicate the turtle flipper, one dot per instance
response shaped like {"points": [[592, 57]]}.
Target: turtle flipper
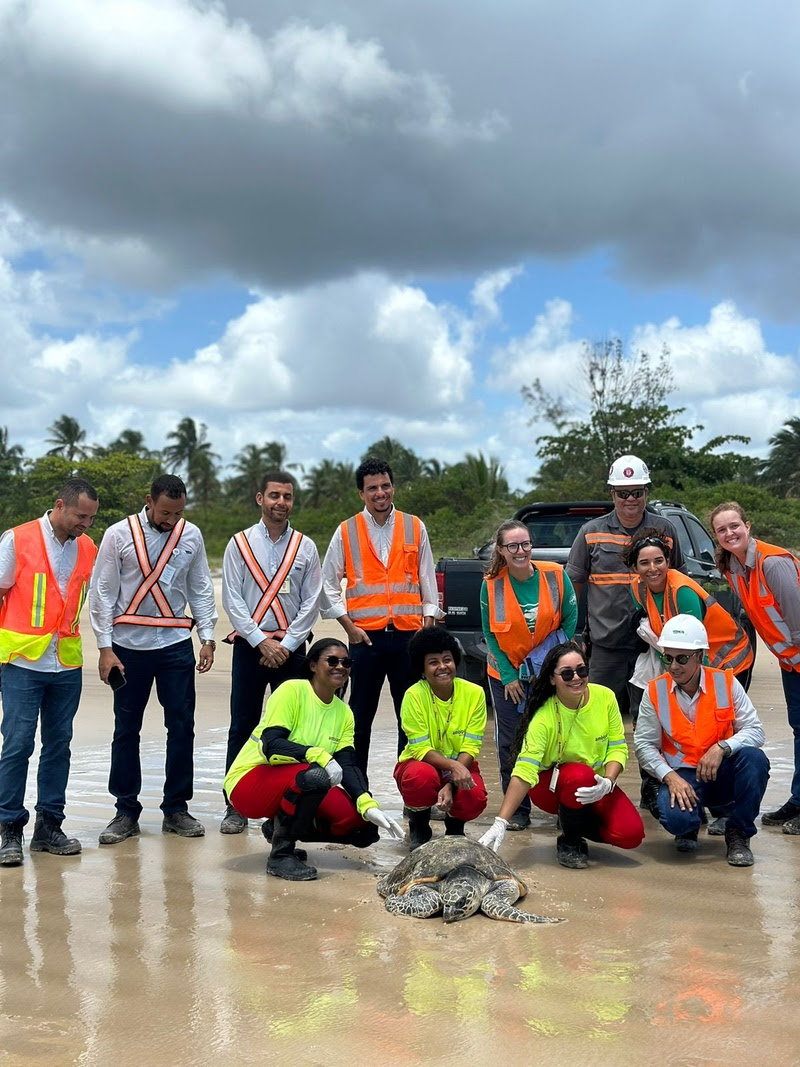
{"points": [[498, 903], [420, 902]]}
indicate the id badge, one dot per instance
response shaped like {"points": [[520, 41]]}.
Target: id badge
{"points": [[286, 587], [167, 575], [554, 780]]}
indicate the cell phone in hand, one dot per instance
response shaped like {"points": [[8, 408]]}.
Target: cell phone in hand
{"points": [[116, 679]]}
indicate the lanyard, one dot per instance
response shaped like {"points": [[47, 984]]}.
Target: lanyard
{"points": [[561, 742]]}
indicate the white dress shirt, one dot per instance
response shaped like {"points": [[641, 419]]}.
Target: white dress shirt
{"points": [[117, 576], [299, 595], [747, 728], [333, 604], [62, 561]]}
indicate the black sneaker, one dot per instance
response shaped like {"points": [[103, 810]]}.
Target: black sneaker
{"points": [[686, 842], [739, 854], [120, 827], [183, 824], [11, 844], [787, 811], [49, 837], [572, 854], [232, 822]]}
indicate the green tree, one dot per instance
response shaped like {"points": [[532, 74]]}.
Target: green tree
{"points": [[405, 463], [780, 472], [329, 482], [251, 464], [130, 441], [191, 454], [68, 439], [11, 456]]}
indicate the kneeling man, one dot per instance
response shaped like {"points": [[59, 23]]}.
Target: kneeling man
{"points": [[699, 734]]}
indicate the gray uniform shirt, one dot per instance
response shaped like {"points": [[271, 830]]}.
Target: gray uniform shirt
{"points": [[780, 574]]}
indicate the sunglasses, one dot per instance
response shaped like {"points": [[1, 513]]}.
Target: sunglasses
{"points": [[334, 661], [623, 494], [683, 659], [568, 673]]}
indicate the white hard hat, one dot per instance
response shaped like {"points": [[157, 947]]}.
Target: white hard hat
{"points": [[683, 631], [628, 470]]}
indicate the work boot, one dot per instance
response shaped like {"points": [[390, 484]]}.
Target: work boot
{"points": [[686, 842], [437, 815], [648, 796], [232, 821], [520, 820], [419, 828], [716, 828], [283, 861], [11, 844], [739, 854], [120, 827], [572, 854], [453, 827], [782, 815], [49, 837], [268, 830], [183, 824], [792, 826]]}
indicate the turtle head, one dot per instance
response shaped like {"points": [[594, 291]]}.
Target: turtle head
{"points": [[462, 893]]}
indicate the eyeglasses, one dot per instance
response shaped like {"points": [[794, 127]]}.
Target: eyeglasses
{"points": [[568, 673], [623, 494], [334, 661], [682, 659], [518, 546]]}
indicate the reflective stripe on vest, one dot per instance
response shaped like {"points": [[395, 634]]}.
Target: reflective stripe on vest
{"points": [[759, 603], [395, 598], [149, 584], [39, 596], [270, 589], [507, 622], [684, 743]]}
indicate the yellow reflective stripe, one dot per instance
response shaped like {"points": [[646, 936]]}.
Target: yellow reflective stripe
{"points": [[81, 602], [39, 596]]}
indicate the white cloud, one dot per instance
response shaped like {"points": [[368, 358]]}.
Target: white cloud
{"points": [[548, 352]]}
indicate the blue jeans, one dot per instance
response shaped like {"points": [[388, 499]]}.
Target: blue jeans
{"points": [[27, 694], [741, 779], [791, 691], [386, 658], [507, 716], [172, 670]]}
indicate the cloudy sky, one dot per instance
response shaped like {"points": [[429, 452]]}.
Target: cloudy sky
{"points": [[325, 222]]}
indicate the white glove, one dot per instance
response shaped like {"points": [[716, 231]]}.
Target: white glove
{"points": [[590, 794], [377, 818], [646, 632], [334, 770], [493, 838]]}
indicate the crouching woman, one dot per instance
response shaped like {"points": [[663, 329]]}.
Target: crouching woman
{"points": [[568, 753], [298, 768]]}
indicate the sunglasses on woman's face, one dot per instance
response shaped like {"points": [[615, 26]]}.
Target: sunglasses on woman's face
{"points": [[334, 661], [568, 673], [683, 659]]}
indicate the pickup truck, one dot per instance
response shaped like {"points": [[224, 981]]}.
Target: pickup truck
{"points": [[553, 528]]}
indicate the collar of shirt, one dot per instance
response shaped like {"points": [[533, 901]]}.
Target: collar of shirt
{"points": [[379, 526], [47, 526], [749, 559], [676, 689], [282, 537]]}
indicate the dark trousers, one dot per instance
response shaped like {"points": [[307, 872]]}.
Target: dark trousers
{"points": [[249, 682], [742, 778], [507, 716], [613, 667], [791, 691], [386, 658], [172, 670]]}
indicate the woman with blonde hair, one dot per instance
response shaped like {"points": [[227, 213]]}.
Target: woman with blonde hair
{"points": [[527, 608]]}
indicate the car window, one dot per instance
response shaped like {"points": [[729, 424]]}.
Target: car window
{"points": [[555, 531], [683, 536], [701, 539]]}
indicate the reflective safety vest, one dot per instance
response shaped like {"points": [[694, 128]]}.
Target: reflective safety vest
{"points": [[377, 595], [760, 605], [684, 743], [507, 622], [729, 647], [133, 615], [34, 610], [270, 600]]}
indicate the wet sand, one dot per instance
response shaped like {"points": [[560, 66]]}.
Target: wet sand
{"points": [[162, 950]]}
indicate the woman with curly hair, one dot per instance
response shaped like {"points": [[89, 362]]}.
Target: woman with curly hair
{"points": [[568, 754]]}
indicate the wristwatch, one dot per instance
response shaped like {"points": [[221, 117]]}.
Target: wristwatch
{"points": [[726, 748], [212, 644]]}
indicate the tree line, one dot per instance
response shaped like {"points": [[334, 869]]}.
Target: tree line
{"points": [[624, 408]]}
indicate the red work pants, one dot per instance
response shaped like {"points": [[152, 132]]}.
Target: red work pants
{"points": [[619, 823], [419, 784], [258, 796]]}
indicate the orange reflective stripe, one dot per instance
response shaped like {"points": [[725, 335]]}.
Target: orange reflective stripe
{"points": [[610, 579], [175, 621], [270, 589], [150, 577], [608, 538]]}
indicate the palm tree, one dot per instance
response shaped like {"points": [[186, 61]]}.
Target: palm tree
{"points": [[487, 475], [67, 439], [405, 463], [781, 469], [434, 469], [192, 455], [10, 455], [132, 442], [329, 482]]}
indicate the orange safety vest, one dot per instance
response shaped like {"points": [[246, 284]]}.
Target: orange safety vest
{"points": [[132, 616], [684, 743], [270, 589], [34, 610], [760, 605], [377, 595], [509, 625], [729, 647]]}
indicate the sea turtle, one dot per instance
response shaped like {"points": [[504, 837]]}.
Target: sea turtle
{"points": [[455, 876]]}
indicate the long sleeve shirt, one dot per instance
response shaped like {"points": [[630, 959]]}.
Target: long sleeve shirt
{"points": [[299, 594], [447, 727], [780, 575], [333, 605], [747, 728], [117, 576], [62, 562]]}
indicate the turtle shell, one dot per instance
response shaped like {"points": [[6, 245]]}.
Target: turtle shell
{"points": [[433, 861]]}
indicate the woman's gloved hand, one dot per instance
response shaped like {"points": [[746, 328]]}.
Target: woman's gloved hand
{"points": [[590, 794], [334, 770], [493, 838], [383, 822]]}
